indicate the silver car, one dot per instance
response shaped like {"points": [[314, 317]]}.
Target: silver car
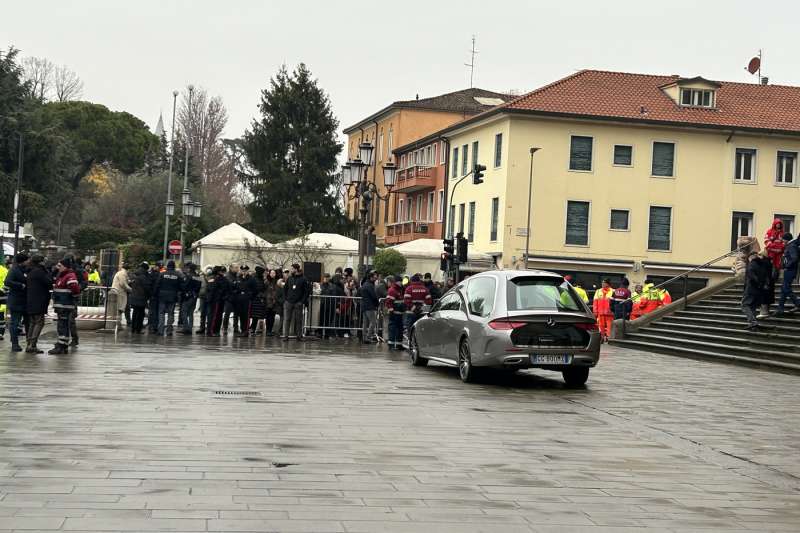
{"points": [[510, 319]]}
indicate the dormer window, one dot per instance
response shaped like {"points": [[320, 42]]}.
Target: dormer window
{"points": [[697, 97]]}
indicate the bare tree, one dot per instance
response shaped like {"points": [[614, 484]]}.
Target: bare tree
{"points": [[202, 124], [299, 250], [39, 72], [66, 84]]}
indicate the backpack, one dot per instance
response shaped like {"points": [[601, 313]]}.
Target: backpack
{"points": [[790, 256]]}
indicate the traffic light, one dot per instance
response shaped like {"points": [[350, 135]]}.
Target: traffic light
{"points": [[477, 174], [449, 247], [462, 248], [444, 262]]}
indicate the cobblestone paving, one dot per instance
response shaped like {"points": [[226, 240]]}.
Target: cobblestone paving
{"points": [[336, 437]]}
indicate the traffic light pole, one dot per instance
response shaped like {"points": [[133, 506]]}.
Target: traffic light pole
{"points": [[453, 263]]}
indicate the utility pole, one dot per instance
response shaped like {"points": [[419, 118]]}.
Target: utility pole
{"points": [[471, 63], [169, 176], [185, 194], [530, 192], [17, 193]]}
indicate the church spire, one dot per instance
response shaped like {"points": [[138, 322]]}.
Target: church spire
{"points": [[160, 126]]}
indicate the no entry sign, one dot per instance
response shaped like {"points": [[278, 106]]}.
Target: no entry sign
{"points": [[174, 247]]}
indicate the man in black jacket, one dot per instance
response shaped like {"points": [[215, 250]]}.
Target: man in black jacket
{"points": [[38, 298], [216, 295], [295, 293], [791, 258], [245, 292], [170, 284], [189, 293], [232, 278], [756, 286], [16, 288], [152, 306], [141, 290], [369, 308]]}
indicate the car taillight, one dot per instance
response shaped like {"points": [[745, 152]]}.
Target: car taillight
{"points": [[502, 325], [588, 327]]}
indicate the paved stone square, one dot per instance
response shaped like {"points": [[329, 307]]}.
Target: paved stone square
{"points": [[332, 437]]}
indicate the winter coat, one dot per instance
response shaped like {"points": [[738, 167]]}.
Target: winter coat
{"points": [[15, 284], [170, 284], [774, 243], [757, 281], [65, 289], [791, 255], [247, 289], [141, 288], [192, 283], [3, 295], [416, 295], [121, 288], [273, 295], [745, 245], [153, 274], [394, 299], [369, 299], [601, 303], [296, 290], [217, 289], [38, 291]]}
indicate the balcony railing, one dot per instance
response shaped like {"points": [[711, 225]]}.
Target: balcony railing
{"points": [[416, 178], [417, 228]]}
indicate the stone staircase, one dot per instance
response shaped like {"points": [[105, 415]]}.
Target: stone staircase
{"points": [[715, 329]]}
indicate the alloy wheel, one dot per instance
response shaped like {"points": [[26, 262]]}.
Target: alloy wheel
{"points": [[464, 361]]}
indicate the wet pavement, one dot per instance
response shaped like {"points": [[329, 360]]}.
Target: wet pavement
{"points": [[253, 435]]}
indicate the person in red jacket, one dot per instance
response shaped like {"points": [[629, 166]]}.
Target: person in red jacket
{"points": [[416, 295], [65, 289], [395, 308], [601, 305], [774, 246]]}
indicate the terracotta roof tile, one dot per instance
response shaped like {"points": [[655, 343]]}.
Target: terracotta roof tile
{"points": [[620, 95]]}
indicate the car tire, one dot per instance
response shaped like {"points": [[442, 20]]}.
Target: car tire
{"points": [[414, 353], [576, 377], [467, 372]]}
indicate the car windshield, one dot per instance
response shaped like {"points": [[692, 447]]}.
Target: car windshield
{"points": [[541, 293]]}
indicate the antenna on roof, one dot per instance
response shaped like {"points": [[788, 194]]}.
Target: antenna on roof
{"points": [[755, 66], [471, 63]]}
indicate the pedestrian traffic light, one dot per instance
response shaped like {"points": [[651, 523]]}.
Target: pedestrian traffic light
{"points": [[462, 248], [449, 247], [444, 264], [477, 174]]}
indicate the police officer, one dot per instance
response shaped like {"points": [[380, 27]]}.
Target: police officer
{"points": [[232, 286], [247, 289], [189, 293], [170, 284], [216, 296], [203, 300], [152, 307]]}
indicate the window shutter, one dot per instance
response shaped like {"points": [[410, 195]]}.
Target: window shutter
{"points": [[580, 153], [495, 214], [658, 237], [623, 155], [498, 149], [663, 159], [577, 223], [619, 219]]}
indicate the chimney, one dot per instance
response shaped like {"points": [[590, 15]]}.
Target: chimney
{"points": [[764, 80], [417, 96]]}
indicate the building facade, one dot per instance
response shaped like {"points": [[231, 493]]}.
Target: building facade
{"points": [[635, 175], [401, 123]]}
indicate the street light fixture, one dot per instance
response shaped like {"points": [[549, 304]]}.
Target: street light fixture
{"points": [[170, 208], [389, 175], [365, 150], [170, 205], [534, 149]]}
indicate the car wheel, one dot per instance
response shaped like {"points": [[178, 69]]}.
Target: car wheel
{"points": [[576, 377], [413, 349], [466, 371]]}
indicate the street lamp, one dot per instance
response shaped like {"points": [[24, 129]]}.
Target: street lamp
{"points": [[170, 205], [534, 149], [185, 194]]}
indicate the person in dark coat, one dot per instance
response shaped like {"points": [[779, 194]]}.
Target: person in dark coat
{"points": [[230, 304], [757, 281], [141, 289], [327, 305], [170, 284], [16, 289], [273, 300], [789, 261], [216, 295], [38, 298], [295, 294], [258, 306], [190, 291], [152, 304], [369, 308]]}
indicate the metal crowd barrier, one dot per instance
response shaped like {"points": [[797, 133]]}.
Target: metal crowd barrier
{"points": [[92, 306], [332, 316]]}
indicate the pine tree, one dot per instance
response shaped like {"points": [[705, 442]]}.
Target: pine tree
{"points": [[292, 149]]}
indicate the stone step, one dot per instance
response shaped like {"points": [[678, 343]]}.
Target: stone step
{"points": [[724, 338], [737, 317], [706, 354], [738, 333], [720, 322], [730, 349]]}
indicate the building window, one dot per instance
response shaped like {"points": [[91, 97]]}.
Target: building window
{"points": [[398, 216], [403, 161], [430, 206], [580, 153], [380, 146], [461, 212], [410, 211], [429, 156], [442, 153], [455, 162], [659, 233], [451, 221], [495, 215], [577, 223], [788, 223], [419, 208], [474, 154], [498, 149], [620, 220], [390, 147], [471, 226], [745, 165], [623, 155], [663, 159], [787, 167], [433, 154], [464, 159], [697, 97], [741, 226], [441, 205]]}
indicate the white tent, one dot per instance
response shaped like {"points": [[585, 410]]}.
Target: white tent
{"points": [[330, 249], [424, 255], [228, 244], [329, 241]]}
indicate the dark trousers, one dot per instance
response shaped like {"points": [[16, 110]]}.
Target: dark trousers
{"points": [[242, 315], [186, 315], [166, 316], [2, 323], [138, 318], [14, 325], [395, 328], [128, 320], [204, 310], [226, 317], [292, 319], [152, 315], [35, 326], [73, 325], [62, 326], [215, 318]]}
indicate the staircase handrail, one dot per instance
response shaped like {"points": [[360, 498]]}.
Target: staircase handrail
{"points": [[685, 275]]}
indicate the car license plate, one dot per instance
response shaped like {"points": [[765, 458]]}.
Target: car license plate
{"points": [[550, 359]]}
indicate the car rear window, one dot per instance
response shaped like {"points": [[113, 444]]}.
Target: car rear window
{"points": [[541, 293]]}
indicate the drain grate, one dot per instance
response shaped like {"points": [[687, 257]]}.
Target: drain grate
{"points": [[237, 393]]}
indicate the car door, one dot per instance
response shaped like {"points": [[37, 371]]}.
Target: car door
{"points": [[427, 332], [452, 323]]}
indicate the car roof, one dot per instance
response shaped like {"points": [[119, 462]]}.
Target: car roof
{"points": [[512, 274]]}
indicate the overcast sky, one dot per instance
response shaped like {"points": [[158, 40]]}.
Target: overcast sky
{"points": [[131, 55]]}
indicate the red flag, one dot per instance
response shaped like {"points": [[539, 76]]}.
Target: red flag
{"points": [[754, 65]]}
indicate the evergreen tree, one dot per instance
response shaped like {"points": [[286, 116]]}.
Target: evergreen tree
{"points": [[292, 150]]}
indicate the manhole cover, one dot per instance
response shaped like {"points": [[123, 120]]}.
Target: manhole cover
{"points": [[236, 393]]}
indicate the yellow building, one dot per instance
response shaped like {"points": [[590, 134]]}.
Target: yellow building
{"points": [[636, 175], [405, 121]]}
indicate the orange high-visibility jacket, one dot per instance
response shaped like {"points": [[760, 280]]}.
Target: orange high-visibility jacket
{"points": [[602, 301]]}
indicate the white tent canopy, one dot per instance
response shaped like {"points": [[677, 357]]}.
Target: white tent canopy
{"points": [[331, 241], [232, 236]]}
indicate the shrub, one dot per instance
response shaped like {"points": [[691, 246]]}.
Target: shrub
{"points": [[389, 262]]}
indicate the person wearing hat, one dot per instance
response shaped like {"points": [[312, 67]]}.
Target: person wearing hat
{"points": [[369, 308], [190, 291], [141, 289], [38, 298], [216, 295], [296, 291], [168, 287], [121, 288], [65, 290], [152, 303], [15, 286]]}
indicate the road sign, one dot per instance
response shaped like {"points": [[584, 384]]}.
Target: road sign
{"points": [[174, 247]]}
